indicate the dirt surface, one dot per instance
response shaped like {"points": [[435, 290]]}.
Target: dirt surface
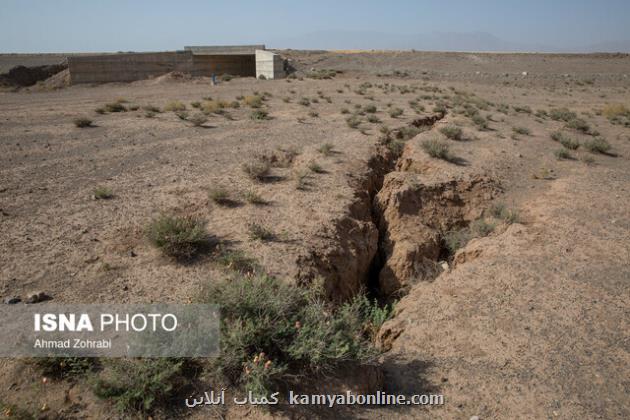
{"points": [[528, 321]]}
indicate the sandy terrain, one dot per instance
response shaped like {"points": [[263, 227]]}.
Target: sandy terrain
{"points": [[530, 321]]}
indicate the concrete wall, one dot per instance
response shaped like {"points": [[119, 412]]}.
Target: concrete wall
{"points": [[237, 65], [269, 65], [126, 67], [224, 49]]}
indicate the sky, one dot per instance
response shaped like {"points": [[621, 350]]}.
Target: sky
{"points": [[157, 25]]}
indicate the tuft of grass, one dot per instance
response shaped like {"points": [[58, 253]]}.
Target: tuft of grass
{"points": [[257, 169], [502, 212], [115, 107], [313, 114], [304, 102], [259, 115], [272, 330], [370, 109], [598, 145], [396, 112], [569, 143], [220, 196], [452, 131], [315, 167], [237, 261], [177, 237], [480, 122], [562, 154], [578, 124], [152, 108], [373, 119], [326, 149], [253, 101], [437, 149], [258, 232], [353, 121], [182, 115], [82, 122], [521, 130], [175, 106], [65, 367], [102, 193], [252, 197], [562, 114]]}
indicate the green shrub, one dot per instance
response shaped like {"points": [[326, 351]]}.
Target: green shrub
{"points": [[370, 109], [502, 212], [396, 112], [258, 232], [259, 115], [272, 330], [326, 149], [452, 131], [177, 237], [562, 154], [569, 143], [373, 119], [65, 367], [597, 145], [521, 130], [140, 385], [578, 124], [562, 114], [437, 149]]}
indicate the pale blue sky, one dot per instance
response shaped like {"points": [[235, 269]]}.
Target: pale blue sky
{"points": [[94, 25]]}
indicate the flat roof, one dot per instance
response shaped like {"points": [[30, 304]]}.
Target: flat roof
{"points": [[224, 49]]}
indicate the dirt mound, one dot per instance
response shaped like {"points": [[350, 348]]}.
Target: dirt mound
{"points": [[28, 76], [56, 81]]}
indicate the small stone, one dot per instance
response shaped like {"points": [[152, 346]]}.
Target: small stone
{"points": [[444, 265], [474, 418], [37, 297], [12, 300], [132, 253]]}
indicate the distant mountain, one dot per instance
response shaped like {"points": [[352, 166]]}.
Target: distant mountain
{"points": [[433, 41]]}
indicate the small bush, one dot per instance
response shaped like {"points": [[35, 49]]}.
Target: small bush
{"points": [[115, 107], [437, 149], [452, 131], [578, 124], [257, 169], [304, 102], [102, 193], [198, 119], [313, 114], [373, 119], [569, 143], [597, 145], [326, 149], [396, 112], [521, 130], [182, 115], [151, 108], [178, 237], [259, 115], [271, 330], [321, 74], [353, 121], [253, 101], [252, 197], [612, 111], [502, 212], [220, 195], [82, 122], [175, 106], [562, 154], [315, 167], [562, 114], [65, 367], [140, 385], [480, 122], [370, 109], [258, 232]]}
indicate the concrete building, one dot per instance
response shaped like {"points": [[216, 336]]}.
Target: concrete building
{"points": [[239, 60]]}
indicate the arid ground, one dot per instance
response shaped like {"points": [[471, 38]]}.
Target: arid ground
{"points": [[493, 212]]}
